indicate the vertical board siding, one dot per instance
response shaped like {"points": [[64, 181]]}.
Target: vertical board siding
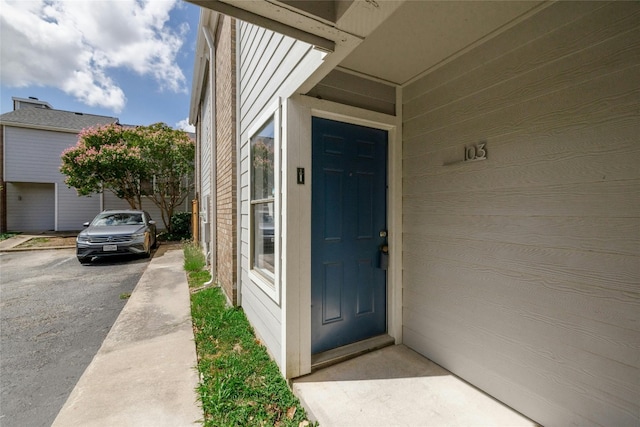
{"points": [[522, 271], [268, 63]]}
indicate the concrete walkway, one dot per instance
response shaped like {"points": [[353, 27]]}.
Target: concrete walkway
{"points": [[10, 243], [145, 372], [395, 386]]}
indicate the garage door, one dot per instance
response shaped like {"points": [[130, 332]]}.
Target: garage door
{"points": [[30, 206]]}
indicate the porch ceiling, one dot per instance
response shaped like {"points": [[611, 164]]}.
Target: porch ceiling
{"points": [[391, 40], [420, 35]]}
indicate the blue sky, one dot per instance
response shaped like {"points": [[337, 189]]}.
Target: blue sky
{"points": [[131, 59]]}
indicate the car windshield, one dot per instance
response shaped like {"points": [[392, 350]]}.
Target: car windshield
{"points": [[118, 218]]}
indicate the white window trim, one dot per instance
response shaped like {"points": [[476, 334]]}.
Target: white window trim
{"points": [[268, 286]]}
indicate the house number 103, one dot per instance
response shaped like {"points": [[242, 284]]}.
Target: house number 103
{"points": [[475, 152]]}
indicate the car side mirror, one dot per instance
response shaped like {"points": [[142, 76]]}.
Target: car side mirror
{"points": [[152, 222], [86, 224]]}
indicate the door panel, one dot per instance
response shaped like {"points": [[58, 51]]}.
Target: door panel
{"points": [[34, 206], [348, 289]]}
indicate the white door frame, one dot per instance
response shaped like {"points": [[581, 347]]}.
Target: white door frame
{"points": [[296, 218]]}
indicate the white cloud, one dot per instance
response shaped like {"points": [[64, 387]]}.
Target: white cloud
{"points": [[185, 126], [74, 45]]}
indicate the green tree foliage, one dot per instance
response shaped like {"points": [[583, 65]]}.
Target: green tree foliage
{"points": [[169, 161], [154, 161]]}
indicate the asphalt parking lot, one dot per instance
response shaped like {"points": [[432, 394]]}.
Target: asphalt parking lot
{"points": [[54, 315]]}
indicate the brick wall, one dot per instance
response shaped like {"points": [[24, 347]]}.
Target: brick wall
{"points": [[226, 156]]}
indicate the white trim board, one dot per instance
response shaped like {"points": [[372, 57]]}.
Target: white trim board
{"points": [[296, 204]]}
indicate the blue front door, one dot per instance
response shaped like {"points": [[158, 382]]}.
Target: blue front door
{"points": [[349, 212]]}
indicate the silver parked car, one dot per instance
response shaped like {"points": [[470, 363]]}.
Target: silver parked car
{"points": [[116, 232]]}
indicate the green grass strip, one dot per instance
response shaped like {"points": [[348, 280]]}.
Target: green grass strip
{"points": [[240, 384], [194, 260]]}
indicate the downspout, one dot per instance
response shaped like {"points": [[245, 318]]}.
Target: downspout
{"points": [[56, 207], [213, 218]]}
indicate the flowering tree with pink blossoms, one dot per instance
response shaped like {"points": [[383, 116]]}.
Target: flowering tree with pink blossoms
{"points": [[105, 159], [154, 161]]}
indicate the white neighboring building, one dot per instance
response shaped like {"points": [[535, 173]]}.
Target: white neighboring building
{"points": [[34, 195], [37, 199]]}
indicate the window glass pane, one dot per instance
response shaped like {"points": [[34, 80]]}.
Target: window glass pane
{"points": [[263, 237], [262, 162]]}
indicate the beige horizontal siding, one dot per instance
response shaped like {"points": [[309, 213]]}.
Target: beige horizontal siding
{"points": [[522, 271]]}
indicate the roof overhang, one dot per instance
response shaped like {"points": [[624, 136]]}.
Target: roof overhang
{"points": [[38, 127], [334, 27], [273, 17], [392, 41], [321, 23]]}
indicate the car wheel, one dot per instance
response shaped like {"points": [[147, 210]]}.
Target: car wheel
{"points": [[84, 260], [155, 242]]}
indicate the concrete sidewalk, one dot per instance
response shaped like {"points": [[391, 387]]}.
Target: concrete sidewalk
{"points": [[145, 372], [10, 243]]}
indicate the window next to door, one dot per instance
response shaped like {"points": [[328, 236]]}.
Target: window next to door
{"points": [[263, 192]]}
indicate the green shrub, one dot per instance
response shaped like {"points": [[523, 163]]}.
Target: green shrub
{"points": [[180, 227], [5, 236], [181, 224]]}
